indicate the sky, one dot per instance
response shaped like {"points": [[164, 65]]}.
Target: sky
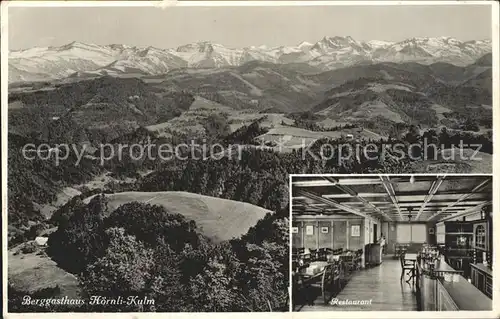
{"points": [[241, 26]]}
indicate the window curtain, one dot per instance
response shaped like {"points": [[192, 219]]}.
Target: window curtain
{"points": [[411, 233]]}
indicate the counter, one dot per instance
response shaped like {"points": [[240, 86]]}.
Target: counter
{"points": [[482, 268], [482, 278], [436, 294]]}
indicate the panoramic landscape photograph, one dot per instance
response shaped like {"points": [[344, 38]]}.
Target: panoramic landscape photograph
{"points": [[149, 150]]}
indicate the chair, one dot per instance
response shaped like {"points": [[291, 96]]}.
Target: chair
{"points": [[358, 259], [338, 251], [399, 249], [407, 267], [328, 281], [348, 260], [323, 253], [302, 256]]}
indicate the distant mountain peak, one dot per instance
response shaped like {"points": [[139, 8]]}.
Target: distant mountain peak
{"points": [[200, 46], [77, 44], [379, 43], [336, 42], [328, 53], [338, 39], [305, 44]]}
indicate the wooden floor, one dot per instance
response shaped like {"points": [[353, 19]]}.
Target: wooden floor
{"points": [[379, 284]]}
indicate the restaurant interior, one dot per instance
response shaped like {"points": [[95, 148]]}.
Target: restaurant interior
{"points": [[391, 242]]}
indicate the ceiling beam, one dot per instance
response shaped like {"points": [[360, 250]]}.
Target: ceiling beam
{"points": [[347, 195], [429, 210], [478, 188], [332, 203], [422, 193], [432, 191], [327, 217], [416, 204], [392, 194], [312, 213], [299, 198], [350, 191], [344, 181], [467, 212], [439, 201], [366, 180]]}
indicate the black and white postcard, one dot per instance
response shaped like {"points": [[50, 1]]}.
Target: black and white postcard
{"points": [[147, 149]]}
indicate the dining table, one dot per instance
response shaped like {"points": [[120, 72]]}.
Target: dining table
{"points": [[411, 256], [325, 275]]}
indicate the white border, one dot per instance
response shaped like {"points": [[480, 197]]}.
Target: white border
{"points": [[167, 3], [4, 59], [290, 225], [224, 3]]}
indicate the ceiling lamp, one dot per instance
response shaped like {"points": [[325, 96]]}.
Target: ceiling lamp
{"points": [[410, 209]]}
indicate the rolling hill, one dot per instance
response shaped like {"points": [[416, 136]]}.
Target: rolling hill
{"points": [[256, 85], [105, 108], [409, 93], [93, 110], [218, 219]]}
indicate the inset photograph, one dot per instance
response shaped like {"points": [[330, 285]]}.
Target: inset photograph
{"points": [[391, 242], [148, 167]]}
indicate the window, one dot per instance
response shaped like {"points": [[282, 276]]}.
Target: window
{"points": [[480, 234], [440, 233], [415, 233], [440, 238]]}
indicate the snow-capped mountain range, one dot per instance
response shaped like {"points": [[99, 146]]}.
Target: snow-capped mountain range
{"points": [[81, 59]]}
